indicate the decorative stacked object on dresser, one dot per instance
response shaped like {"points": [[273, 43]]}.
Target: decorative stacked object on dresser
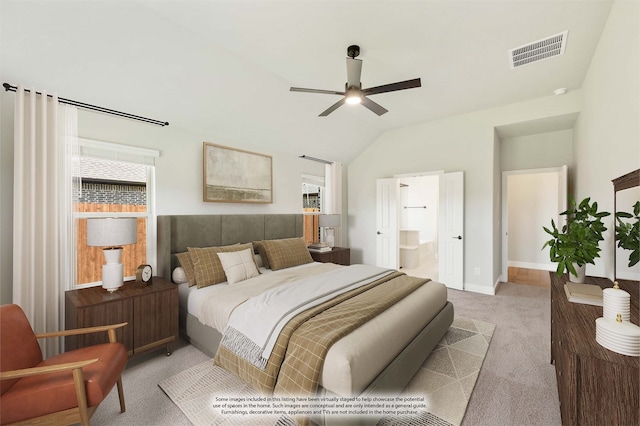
{"points": [[614, 330]]}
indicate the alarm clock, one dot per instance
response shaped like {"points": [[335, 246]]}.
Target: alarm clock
{"points": [[143, 274]]}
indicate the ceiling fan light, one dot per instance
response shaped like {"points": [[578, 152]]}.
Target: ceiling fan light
{"points": [[353, 97]]}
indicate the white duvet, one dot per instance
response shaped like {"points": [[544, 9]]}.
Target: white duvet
{"points": [[254, 325], [216, 307]]}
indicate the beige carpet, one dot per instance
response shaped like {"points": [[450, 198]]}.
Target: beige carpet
{"points": [[446, 380]]}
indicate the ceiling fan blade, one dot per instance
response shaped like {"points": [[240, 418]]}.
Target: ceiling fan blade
{"points": [[332, 108], [354, 71], [326, 92], [378, 109], [402, 85]]}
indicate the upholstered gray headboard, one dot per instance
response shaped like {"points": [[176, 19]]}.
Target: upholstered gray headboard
{"points": [[176, 233]]}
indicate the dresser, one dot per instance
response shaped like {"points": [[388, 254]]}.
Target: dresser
{"points": [[150, 311], [338, 255], [596, 386]]}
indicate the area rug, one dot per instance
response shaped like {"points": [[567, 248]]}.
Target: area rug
{"points": [[442, 387]]}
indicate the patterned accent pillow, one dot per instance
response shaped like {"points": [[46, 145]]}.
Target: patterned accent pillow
{"points": [[259, 247], [206, 263], [239, 265], [185, 261], [286, 253]]}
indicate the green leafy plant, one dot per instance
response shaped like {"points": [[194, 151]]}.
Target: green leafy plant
{"points": [[628, 233], [577, 243]]}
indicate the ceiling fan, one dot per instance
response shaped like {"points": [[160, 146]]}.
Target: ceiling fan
{"points": [[354, 93]]}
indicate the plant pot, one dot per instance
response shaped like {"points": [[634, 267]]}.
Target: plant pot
{"points": [[581, 271]]}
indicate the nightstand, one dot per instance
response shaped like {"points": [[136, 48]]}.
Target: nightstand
{"points": [[338, 255], [151, 313]]}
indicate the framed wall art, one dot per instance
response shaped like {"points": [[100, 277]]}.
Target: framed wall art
{"points": [[236, 176]]}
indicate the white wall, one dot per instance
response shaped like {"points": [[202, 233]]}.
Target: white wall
{"points": [[551, 149], [179, 168], [178, 172], [605, 145], [532, 203], [607, 133], [461, 143]]}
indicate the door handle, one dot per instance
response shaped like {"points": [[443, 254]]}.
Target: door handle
{"points": [[379, 233], [459, 237]]}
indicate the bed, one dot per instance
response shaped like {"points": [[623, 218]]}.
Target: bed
{"points": [[379, 356]]}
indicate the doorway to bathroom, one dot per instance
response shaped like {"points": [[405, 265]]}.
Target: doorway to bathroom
{"points": [[418, 232], [423, 213]]}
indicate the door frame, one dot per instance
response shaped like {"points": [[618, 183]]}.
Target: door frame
{"points": [[562, 206]]}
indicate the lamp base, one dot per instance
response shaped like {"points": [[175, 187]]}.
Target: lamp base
{"points": [[112, 271], [329, 237]]}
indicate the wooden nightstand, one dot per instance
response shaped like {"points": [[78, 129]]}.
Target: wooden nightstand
{"points": [[338, 255], [151, 311]]}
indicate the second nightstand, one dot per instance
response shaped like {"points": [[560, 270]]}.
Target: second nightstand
{"points": [[338, 255]]}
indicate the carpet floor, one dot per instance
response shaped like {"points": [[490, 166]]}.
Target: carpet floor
{"points": [[516, 386], [444, 382]]}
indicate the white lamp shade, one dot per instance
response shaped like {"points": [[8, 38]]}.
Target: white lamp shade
{"points": [[112, 232], [329, 220]]}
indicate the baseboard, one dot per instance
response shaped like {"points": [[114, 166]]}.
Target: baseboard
{"points": [[483, 289], [532, 265]]}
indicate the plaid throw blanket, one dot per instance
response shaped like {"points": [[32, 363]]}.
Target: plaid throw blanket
{"points": [[295, 364]]}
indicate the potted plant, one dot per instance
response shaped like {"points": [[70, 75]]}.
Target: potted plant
{"points": [[577, 243], [628, 233]]}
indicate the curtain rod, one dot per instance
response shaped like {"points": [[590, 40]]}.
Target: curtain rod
{"points": [[10, 88], [319, 160]]}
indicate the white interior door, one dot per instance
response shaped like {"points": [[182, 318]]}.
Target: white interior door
{"points": [[451, 230], [387, 193]]}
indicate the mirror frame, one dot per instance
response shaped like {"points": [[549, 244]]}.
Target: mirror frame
{"points": [[630, 180]]}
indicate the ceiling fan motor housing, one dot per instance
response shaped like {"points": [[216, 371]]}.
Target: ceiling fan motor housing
{"points": [[353, 51]]}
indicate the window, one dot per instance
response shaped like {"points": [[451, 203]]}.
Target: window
{"points": [[114, 181], [312, 193]]}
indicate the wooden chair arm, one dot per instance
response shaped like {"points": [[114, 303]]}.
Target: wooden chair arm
{"points": [[87, 330], [25, 372]]}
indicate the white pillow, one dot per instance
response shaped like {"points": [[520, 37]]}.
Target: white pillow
{"points": [[179, 275], [258, 259], [238, 265]]}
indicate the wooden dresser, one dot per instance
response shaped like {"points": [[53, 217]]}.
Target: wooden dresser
{"points": [[596, 386], [151, 311]]}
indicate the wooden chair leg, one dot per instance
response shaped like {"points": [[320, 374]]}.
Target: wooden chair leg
{"points": [[81, 395], [121, 395]]}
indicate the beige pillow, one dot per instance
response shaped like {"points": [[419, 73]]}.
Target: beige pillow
{"points": [[259, 247], [238, 265], [179, 276], [286, 253], [206, 263], [186, 263]]}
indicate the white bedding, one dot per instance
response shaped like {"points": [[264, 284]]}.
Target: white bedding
{"points": [[373, 345], [255, 324]]}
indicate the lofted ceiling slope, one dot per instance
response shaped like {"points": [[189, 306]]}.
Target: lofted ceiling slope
{"points": [[224, 67]]}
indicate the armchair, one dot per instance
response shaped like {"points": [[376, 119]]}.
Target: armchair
{"points": [[63, 389]]}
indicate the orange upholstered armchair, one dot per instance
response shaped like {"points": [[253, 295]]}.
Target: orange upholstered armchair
{"points": [[63, 389]]}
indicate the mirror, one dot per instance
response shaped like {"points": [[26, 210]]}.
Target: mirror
{"points": [[626, 191]]}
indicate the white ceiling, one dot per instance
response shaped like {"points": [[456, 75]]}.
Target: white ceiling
{"points": [[224, 68]]}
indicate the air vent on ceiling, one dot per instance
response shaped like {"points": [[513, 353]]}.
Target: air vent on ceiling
{"points": [[538, 50]]}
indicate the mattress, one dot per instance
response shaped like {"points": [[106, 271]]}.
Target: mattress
{"points": [[355, 360]]}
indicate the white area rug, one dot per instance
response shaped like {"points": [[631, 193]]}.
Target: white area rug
{"points": [[446, 380]]}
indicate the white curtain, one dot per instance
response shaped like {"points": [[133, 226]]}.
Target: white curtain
{"points": [[45, 135], [333, 195]]}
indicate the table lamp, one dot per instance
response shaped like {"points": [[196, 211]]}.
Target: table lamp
{"points": [[112, 234], [329, 222]]}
